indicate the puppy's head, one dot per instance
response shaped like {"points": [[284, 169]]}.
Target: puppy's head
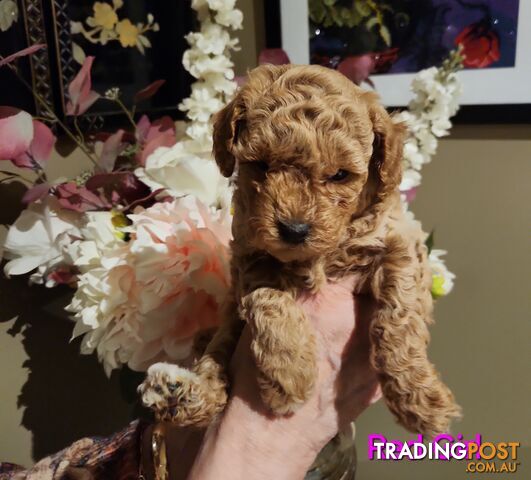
{"points": [[313, 151]]}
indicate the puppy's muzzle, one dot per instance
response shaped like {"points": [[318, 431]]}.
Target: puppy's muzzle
{"points": [[293, 231]]}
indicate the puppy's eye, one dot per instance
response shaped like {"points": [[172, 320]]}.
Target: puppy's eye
{"points": [[261, 165], [339, 176]]}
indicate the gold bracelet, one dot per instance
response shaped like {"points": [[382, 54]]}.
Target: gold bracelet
{"points": [[158, 450]]}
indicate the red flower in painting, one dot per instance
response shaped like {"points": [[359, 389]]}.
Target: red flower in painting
{"points": [[481, 45]]}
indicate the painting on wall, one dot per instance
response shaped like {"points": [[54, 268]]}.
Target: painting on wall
{"points": [[134, 43], [394, 39], [406, 36]]}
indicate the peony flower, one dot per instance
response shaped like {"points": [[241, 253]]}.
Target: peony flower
{"points": [[181, 172], [143, 301], [38, 240], [443, 279]]}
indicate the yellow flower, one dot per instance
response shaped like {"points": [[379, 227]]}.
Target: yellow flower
{"points": [[128, 33], [437, 286], [104, 15], [119, 221]]}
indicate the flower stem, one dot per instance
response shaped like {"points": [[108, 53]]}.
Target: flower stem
{"points": [[126, 111]]}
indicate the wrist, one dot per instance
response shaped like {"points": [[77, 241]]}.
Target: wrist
{"points": [[248, 445]]}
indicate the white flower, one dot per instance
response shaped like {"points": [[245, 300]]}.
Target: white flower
{"points": [[199, 64], [8, 14], [221, 4], [201, 103], [230, 18], [443, 279], [212, 39], [183, 173], [147, 298], [413, 155], [410, 179], [38, 240]]}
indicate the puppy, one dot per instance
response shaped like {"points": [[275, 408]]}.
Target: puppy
{"points": [[318, 164]]}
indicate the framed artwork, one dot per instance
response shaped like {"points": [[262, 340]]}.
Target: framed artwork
{"points": [[402, 37], [134, 43]]}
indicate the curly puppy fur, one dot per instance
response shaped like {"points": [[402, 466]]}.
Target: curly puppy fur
{"points": [[313, 149]]}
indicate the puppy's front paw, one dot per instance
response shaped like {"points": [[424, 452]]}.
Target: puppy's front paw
{"points": [[286, 379], [180, 396]]}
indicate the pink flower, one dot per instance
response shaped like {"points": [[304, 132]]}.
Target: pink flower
{"points": [[26, 142], [82, 97], [143, 301], [160, 133], [39, 150], [16, 132]]}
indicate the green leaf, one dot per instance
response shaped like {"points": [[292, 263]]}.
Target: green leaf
{"points": [[385, 34], [430, 241], [372, 22], [329, 3], [317, 11]]}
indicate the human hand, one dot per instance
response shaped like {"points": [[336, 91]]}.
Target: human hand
{"points": [[248, 442]]}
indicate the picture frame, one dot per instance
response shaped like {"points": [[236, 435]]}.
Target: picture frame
{"points": [[490, 95], [50, 70]]}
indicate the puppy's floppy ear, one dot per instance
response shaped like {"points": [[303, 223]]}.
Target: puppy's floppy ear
{"points": [[227, 123], [385, 170]]}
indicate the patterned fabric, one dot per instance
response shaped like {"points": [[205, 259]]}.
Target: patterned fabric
{"points": [[114, 457]]}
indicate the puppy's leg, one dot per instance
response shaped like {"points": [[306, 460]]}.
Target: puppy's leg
{"points": [[197, 396], [283, 346], [410, 384]]}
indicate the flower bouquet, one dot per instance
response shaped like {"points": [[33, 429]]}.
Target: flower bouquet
{"points": [[142, 237]]}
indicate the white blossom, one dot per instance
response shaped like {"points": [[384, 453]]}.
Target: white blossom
{"points": [[183, 173], [36, 242]]}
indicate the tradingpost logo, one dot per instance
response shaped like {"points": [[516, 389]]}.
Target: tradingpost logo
{"points": [[480, 456]]}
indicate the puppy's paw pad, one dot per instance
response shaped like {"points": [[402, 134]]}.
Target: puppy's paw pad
{"points": [[162, 385]]}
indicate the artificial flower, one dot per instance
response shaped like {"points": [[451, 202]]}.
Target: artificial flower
{"points": [[38, 239], [230, 18], [16, 132], [181, 172], [443, 279], [40, 148], [143, 301], [82, 97]]}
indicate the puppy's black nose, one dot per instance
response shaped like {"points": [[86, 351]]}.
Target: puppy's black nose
{"points": [[293, 231]]}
